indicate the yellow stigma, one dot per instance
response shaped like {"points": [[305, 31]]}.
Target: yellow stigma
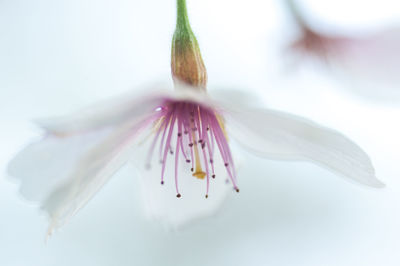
{"points": [[199, 173]]}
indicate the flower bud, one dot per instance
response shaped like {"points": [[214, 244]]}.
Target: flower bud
{"points": [[187, 65]]}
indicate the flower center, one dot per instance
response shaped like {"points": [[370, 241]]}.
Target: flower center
{"points": [[199, 132]]}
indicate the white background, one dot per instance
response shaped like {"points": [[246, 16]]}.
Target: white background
{"points": [[57, 56]]}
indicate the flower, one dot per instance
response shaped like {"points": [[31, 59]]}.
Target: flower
{"points": [[369, 61], [190, 133]]}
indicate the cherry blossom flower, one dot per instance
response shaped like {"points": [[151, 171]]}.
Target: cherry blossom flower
{"points": [[369, 62], [186, 135]]}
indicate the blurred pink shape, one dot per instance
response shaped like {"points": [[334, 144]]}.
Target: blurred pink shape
{"points": [[370, 61]]}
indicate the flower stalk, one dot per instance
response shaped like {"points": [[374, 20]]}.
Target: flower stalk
{"points": [[187, 65]]}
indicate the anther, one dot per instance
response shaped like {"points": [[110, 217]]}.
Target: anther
{"points": [[171, 152], [211, 161], [162, 182], [178, 195], [190, 144], [191, 169], [206, 196], [213, 176], [208, 128], [188, 161], [237, 190], [203, 145], [226, 164], [179, 134]]}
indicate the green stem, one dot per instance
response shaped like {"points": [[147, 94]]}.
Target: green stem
{"points": [[182, 21]]}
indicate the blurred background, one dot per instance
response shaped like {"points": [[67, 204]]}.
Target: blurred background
{"points": [[58, 56]]}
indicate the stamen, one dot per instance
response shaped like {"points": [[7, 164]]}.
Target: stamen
{"points": [[176, 166], [168, 143], [180, 138]]}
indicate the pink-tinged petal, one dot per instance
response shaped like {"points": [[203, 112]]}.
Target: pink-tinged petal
{"points": [[282, 136]]}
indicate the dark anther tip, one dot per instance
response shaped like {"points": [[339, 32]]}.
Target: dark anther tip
{"points": [[162, 182], [178, 195], [237, 190], [179, 134], [188, 161], [226, 164], [213, 176], [206, 196], [191, 169], [190, 144], [211, 161]]}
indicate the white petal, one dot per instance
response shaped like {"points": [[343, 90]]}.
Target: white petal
{"points": [[64, 173], [93, 170], [129, 107], [161, 203], [44, 165], [283, 136]]}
